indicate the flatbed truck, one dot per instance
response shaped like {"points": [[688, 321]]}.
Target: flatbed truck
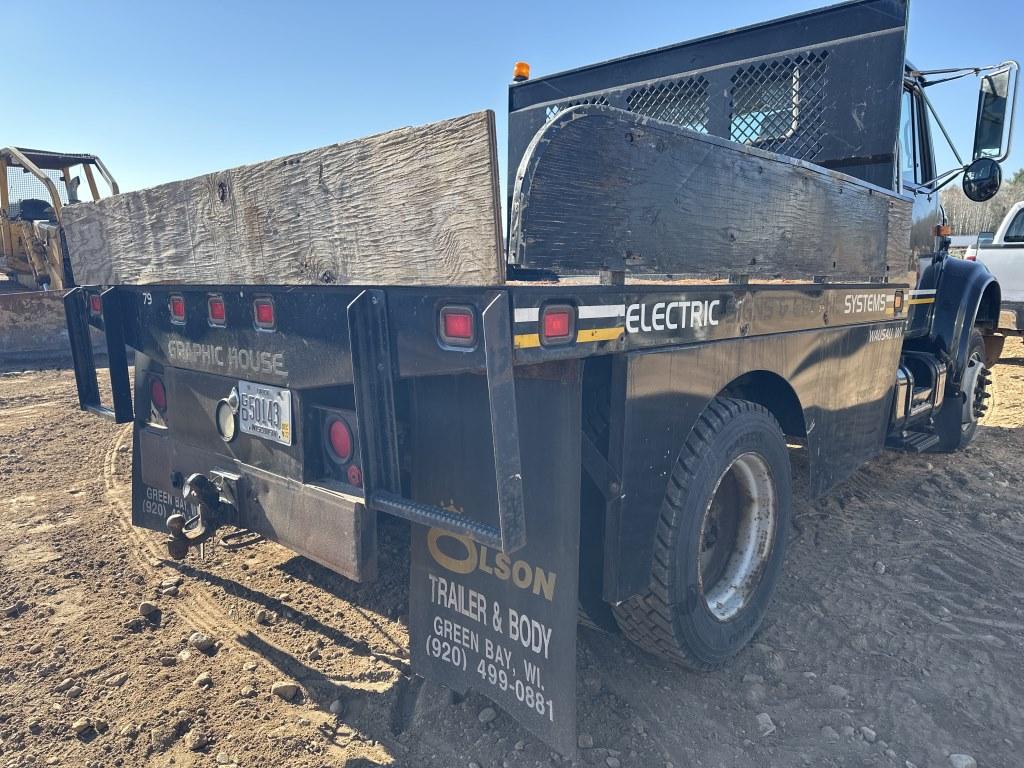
{"points": [[606, 434]]}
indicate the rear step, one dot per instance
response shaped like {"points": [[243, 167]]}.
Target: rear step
{"points": [[912, 442]]}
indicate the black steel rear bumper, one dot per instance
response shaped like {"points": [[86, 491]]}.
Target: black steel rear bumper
{"points": [[329, 525]]}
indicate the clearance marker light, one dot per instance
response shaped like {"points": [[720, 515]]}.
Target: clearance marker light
{"points": [[177, 305], [457, 326], [558, 324], [263, 310], [217, 311]]}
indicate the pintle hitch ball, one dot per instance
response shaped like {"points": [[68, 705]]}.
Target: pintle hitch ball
{"points": [[213, 509]]}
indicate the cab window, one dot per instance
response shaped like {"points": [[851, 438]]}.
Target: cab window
{"points": [[1015, 232], [910, 165]]}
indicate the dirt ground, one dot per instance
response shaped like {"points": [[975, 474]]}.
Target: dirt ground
{"points": [[895, 638]]}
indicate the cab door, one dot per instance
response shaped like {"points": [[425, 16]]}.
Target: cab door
{"points": [[917, 168]]}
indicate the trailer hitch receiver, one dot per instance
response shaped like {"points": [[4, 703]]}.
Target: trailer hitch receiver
{"points": [[213, 500]]}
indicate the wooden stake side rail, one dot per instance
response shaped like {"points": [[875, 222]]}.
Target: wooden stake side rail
{"points": [[412, 205]]}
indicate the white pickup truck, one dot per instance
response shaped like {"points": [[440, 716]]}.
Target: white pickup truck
{"points": [[1004, 257]]}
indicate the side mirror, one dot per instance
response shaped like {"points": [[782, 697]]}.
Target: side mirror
{"points": [[982, 179], [994, 104]]}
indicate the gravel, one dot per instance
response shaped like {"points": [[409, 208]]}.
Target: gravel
{"points": [[116, 680], [202, 643], [285, 689], [146, 608], [204, 680], [64, 684], [962, 761], [765, 726], [196, 741], [487, 714]]}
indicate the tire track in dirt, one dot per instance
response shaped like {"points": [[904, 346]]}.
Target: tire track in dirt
{"points": [[204, 612]]}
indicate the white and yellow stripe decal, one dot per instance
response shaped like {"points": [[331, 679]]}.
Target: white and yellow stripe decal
{"points": [[611, 312], [926, 296]]}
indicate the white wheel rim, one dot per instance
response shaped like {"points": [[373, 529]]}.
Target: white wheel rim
{"points": [[736, 535]]}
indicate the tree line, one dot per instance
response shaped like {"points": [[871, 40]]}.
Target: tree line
{"points": [[969, 218]]}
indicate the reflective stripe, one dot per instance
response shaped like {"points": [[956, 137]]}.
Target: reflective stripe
{"points": [[611, 310], [532, 340], [599, 334], [587, 312], [527, 340]]}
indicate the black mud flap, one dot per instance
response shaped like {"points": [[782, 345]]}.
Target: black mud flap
{"points": [[501, 624]]}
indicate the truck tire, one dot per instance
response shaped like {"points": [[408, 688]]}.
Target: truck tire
{"points": [[720, 541], [957, 420]]}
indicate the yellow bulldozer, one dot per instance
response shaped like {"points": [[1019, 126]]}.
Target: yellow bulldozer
{"points": [[35, 186]]}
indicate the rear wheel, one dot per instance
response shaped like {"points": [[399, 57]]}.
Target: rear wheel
{"points": [[957, 420], [720, 542]]}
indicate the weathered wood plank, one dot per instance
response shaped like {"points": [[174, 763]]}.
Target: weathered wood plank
{"points": [[415, 205], [603, 188]]}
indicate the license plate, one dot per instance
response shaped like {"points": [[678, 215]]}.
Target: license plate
{"points": [[265, 411]]}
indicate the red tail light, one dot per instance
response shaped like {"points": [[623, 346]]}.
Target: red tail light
{"points": [[177, 305], [218, 312], [339, 440], [263, 311], [158, 395], [458, 326], [95, 305], [558, 324], [971, 257]]}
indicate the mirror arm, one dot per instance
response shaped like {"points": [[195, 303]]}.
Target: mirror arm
{"points": [[945, 133], [940, 181]]}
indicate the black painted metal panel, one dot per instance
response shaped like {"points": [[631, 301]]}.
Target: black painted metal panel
{"points": [[600, 188], [842, 377], [502, 625], [843, 66]]}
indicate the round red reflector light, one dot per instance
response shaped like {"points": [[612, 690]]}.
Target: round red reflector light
{"points": [[339, 438], [355, 476], [158, 395]]}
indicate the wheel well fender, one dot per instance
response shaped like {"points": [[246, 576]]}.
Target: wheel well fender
{"points": [[967, 295], [774, 393]]}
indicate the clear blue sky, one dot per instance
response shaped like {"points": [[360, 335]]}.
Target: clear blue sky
{"points": [[169, 90]]}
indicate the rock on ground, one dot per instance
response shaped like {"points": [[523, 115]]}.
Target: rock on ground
{"points": [[202, 643], [285, 689]]}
